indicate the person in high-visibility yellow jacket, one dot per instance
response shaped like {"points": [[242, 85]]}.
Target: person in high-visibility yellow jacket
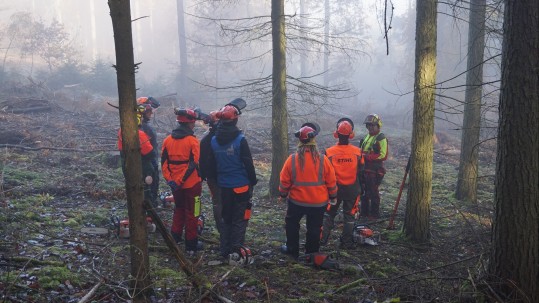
{"points": [[375, 150], [308, 182]]}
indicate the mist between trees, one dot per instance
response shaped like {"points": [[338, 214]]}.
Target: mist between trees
{"points": [[338, 57]]}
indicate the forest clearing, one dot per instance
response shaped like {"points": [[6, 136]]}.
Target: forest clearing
{"points": [[61, 175]]}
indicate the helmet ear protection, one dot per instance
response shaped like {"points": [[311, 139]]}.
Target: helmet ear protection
{"points": [[345, 127], [307, 131]]}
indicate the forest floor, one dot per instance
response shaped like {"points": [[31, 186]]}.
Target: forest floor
{"points": [[59, 173]]}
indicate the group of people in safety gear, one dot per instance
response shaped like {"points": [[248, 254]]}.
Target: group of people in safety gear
{"points": [[315, 184], [222, 158]]}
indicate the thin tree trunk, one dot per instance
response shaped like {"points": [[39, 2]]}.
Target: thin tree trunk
{"points": [[279, 118], [183, 90], [416, 221], [469, 147], [514, 261], [125, 68], [303, 26], [327, 16]]}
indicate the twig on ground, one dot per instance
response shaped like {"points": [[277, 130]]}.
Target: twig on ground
{"points": [[91, 292]]}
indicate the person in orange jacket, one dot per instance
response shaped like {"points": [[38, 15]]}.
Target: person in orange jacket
{"points": [[375, 149], [348, 163], [150, 106], [147, 153], [179, 163], [307, 181]]}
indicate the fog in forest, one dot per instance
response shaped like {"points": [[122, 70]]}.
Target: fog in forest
{"points": [[229, 54]]}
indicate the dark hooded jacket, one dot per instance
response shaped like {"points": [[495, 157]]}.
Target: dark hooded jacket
{"points": [[226, 133]]}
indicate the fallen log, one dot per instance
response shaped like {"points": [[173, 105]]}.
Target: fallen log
{"points": [[197, 280]]}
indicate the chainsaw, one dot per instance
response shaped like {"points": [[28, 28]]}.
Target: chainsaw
{"points": [[167, 199], [363, 234]]}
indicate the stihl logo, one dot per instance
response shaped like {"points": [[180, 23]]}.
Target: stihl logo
{"points": [[349, 160]]}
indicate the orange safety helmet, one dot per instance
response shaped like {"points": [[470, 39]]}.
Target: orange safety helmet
{"points": [[345, 127], [227, 113], [185, 115]]}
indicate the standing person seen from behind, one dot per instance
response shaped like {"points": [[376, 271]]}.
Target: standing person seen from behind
{"points": [[230, 158], [348, 163], [179, 162], [150, 105], [308, 182], [375, 149], [147, 153], [208, 174]]}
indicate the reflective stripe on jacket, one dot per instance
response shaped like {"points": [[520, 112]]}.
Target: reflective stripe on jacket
{"points": [[347, 161], [311, 186], [177, 154], [144, 140]]}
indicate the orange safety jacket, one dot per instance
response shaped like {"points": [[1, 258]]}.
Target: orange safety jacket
{"points": [[144, 140], [347, 161], [311, 186], [180, 158]]}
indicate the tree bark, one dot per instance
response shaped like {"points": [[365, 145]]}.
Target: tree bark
{"points": [[125, 69], [514, 260], [469, 147], [183, 90], [303, 25], [416, 220], [327, 16], [279, 117]]}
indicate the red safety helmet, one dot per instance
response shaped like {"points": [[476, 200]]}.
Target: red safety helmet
{"points": [[227, 113], [150, 101], [345, 127], [307, 131], [185, 115]]}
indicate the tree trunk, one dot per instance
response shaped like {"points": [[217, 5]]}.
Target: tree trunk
{"points": [[469, 147], [183, 89], [327, 16], [125, 68], [279, 118], [514, 260], [416, 221], [303, 25]]}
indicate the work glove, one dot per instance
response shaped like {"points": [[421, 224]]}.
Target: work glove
{"points": [[333, 201], [173, 185], [371, 157]]}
